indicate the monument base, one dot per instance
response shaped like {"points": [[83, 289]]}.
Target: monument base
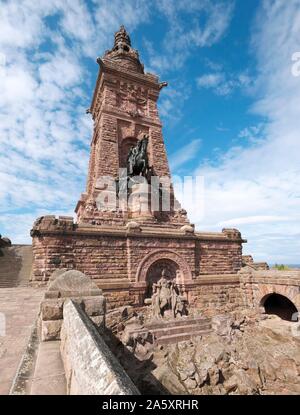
{"points": [[126, 260]]}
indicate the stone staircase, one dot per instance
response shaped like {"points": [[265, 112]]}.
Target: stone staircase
{"points": [[15, 265], [174, 331]]}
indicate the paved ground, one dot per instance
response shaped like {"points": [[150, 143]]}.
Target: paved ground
{"points": [[20, 307], [49, 376]]}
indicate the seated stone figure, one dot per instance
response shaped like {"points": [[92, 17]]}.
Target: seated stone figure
{"points": [[166, 298], [165, 292]]}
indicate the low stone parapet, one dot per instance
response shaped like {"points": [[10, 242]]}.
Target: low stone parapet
{"points": [[90, 366], [70, 285]]}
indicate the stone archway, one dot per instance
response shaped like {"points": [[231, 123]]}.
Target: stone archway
{"points": [[279, 305], [152, 265], [155, 271]]}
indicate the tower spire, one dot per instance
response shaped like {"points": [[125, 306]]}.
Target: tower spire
{"points": [[123, 53], [122, 39]]}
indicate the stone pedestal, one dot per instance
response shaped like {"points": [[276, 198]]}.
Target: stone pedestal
{"points": [[139, 202]]}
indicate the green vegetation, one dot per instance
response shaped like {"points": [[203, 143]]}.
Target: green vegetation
{"points": [[281, 267]]}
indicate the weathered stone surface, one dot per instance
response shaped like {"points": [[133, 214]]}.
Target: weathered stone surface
{"points": [[95, 305], [99, 321], [113, 244], [51, 330], [73, 283], [57, 273], [90, 367], [222, 324], [257, 357], [52, 309], [70, 284]]}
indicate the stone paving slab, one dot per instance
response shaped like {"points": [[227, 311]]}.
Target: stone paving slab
{"points": [[20, 306], [49, 375]]}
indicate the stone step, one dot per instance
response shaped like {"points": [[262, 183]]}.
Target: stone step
{"points": [[180, 329], [176, 338], [182, 321], [15, 266], [8, 284]]}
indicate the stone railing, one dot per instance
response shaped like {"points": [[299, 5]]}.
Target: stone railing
{"points": [[90, 366]]}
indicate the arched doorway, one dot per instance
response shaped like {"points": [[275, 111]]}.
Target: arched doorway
{"points": [[155, 270], [280, 305]]}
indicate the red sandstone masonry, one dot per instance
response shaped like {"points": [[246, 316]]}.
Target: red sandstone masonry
{"points": [[117, 259], [105, 245]]}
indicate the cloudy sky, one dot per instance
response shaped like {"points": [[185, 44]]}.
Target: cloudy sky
{"points": [[231, 112]]}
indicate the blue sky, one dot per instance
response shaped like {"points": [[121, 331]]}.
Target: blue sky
{"points": [[230, 112]]}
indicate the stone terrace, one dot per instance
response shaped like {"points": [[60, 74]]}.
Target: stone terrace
{"points": [[20, 305]]}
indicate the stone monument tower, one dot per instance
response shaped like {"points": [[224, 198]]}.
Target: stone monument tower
{"points": [[124, 110], [125, 250]]}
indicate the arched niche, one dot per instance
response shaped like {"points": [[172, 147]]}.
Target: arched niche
{"points": [[155, 271], [125, 146], [149, 269]]}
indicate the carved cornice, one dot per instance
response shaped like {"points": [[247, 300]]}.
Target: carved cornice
{"points": [[109, 67]]}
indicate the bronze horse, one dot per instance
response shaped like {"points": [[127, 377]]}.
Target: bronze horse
{"points": [[137, 164], [137, 160]]}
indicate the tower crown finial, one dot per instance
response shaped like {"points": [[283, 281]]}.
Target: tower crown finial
{"points": [[123, 53], [122, 38]]}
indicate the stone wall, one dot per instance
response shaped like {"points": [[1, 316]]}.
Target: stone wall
{"points": [[247, 260], [220, 252], [65, 285], [90, 367], [215, 294], [257, 284], [118, 259]]}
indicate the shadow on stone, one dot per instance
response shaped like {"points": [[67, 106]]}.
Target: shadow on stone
{"points": [[139, 371]]}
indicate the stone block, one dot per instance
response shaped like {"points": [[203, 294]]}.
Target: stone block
{"points": [[99, 321], [94, 306], [51, 330], [51, 294], [52, 309], [57, 273], [74, 283]]}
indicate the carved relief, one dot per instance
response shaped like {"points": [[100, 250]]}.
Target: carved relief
{"points": [[132, 99], [142, 271]]}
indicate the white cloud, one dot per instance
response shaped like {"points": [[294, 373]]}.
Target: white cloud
{"points": [[44, 131], [211, 80], [185, 154], [191, 25], [257, 188], [222, 84], [172, 100], [206, 24]]}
